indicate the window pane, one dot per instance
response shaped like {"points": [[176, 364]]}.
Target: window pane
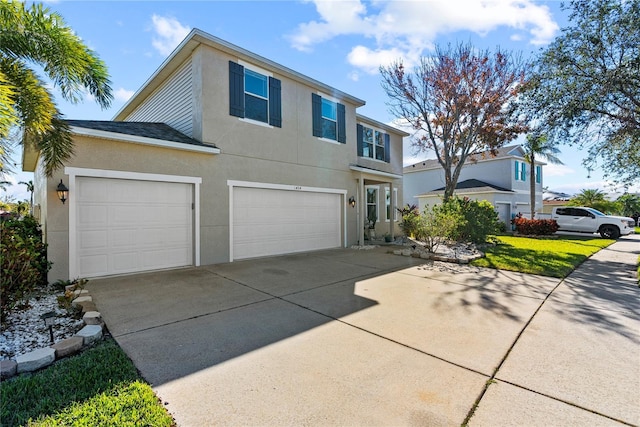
{"points": [[379, 146], [255, 108], [367, 135], [255, 83], [372, 195], [329, 109], [367, 150], [379, 139], [329, 129], [387, 202]]}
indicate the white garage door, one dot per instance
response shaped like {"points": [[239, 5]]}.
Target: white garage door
{"points": [[274, 222], [126, 226]]}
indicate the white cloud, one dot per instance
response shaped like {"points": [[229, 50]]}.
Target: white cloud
{"points": [[403, 29], [370, 60], [122, 94], [551, 169], [169, 32]]}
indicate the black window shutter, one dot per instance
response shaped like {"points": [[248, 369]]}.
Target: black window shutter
{"points": [[316, 114], [387, 145], [236, 89], [359, 134], [275, 103], [342, 130]]}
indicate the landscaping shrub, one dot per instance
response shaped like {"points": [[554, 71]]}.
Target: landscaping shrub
{"points": [[410, 219], [23, 261], [475, 219], [433, 228], [535, 227]]}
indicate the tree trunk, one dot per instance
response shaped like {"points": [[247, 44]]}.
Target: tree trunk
{"points": [[532, 185]]}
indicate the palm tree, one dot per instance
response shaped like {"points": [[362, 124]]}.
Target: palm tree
{"points": [[538, 145], [22, 208], [588, 197], [35, 35], [30, 189]]}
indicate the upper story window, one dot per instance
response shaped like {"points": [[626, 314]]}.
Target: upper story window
{"points": [[373, 144], [538, 174], [328, 119], [254, 96], [520, 171]]}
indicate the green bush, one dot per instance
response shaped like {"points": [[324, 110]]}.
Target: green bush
{"points": [[23, 261], [475, 219], [433, 228], [410, 219]]}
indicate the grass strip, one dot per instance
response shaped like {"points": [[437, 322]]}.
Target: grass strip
{"points": [[554, 257], [97, 387]]}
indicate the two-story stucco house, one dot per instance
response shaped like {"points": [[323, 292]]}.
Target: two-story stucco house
{"points": [[502, 179], [222, 155]]}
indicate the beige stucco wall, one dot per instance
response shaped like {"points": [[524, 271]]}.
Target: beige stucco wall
{"points": [[215, 170]]}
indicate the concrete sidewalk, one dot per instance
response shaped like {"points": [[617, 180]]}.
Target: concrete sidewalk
{"points": [[351, 337], [578, 360]]}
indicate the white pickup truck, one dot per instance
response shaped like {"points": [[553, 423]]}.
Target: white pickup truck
{"points": [[588, 220]]}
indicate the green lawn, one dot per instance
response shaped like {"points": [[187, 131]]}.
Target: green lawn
{"points": [[98, 387], [555, 257]]}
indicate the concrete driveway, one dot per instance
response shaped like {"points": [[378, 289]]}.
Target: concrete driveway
{"points": [[348, 337]]}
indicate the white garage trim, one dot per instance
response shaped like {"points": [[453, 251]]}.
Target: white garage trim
{"points": [[100, 173], [297, 188]]}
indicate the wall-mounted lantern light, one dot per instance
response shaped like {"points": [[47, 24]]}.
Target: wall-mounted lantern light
{"points": [[352, 201], [63, 192]]}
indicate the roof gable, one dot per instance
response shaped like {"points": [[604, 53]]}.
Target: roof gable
{"points": [[198, 37]]}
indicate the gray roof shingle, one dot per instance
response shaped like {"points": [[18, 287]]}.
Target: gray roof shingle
{"points": [[161, 131], [474, 186]]}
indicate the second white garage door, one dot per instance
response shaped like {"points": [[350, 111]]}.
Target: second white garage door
{"points": [[125, 226], [274, 222]]}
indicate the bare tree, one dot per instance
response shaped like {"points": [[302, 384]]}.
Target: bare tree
{"points": [[460, 102]]}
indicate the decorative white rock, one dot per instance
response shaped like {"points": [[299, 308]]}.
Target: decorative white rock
{"points": [[36, 359], [90, 333]]}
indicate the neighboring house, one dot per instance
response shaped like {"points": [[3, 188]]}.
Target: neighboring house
{"points": [[502, 179], [222, 155]]}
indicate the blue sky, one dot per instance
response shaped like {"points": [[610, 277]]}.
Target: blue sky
{"points": [[340, 43]]}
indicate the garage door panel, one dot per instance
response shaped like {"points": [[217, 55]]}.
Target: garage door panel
{"points": [[95, 215], [94, 240], [93, 263], [271, 222], [131, 226]]}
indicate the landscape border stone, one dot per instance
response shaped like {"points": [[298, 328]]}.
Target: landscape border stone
{"points": [[36, 359], [45, 356]]}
